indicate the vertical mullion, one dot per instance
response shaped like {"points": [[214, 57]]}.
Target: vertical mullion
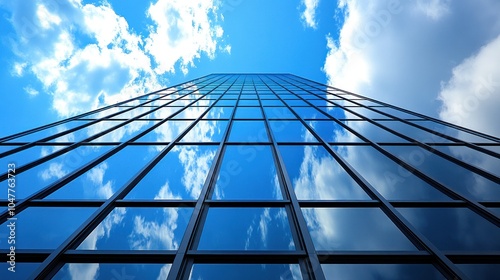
{"points": [[52, 263], [312, 265], [181, 264], [413, 235]]}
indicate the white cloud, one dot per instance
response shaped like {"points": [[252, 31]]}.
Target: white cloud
{"points": [[183, 30], [309, 13], [96, 176], [196, 166], [31, 91], [434, 9], [86, 55], [400, 51], [471, 97], [149, 235], [55, 170]]}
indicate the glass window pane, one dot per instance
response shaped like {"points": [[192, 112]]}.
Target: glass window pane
{"points": [[245, 271], [35, 136], [374, 133], [291, 131], [414, 132], [462, 181], [21, 270], [278, 113], [453, 132], [315, 174], [248, 102], [246, 229], [121, 134], [480, 271], [381, 271], [180, 174], [103, 180], [247, 172], [191, 112], [113, 271], [356, 229], [472, 157], [387, 177], [226, 102], [166, 132], [162, 113], [38, 177], [454, 229], [331, 131], [219, 113], [248, 131], [52, 226], [309, 113], [138, 228], [206, 131], [271, 102], [248, 113]]}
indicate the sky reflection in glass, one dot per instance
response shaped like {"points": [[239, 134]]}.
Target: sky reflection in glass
{"points": [[454, 229], [245, 271], [113, 271], [139, 228], [50, 171], [315, 174], [246, 229], [247, 172], [448, 173], [180, 174], [103, 180], [248, 131], [381, 271], [51, 224], [356, 229], [391, 180]]}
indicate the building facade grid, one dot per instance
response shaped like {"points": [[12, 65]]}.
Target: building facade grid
{"points": [[395, 174]]}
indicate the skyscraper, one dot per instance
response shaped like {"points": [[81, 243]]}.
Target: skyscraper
{"points": [[250, 176]]}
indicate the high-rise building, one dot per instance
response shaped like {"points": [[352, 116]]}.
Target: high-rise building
{"points": [[250, 176]]}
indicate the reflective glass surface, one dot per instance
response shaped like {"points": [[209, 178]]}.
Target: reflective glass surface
{"points": [[36, 178], [139, 228], [219, 113], [480, 271], [454, 229], [52, 226], [279, 113], [414, 132], [180, 174], [291, 131], [247, 172], [245, 271], [36, 136], [248, 131], [166, 132], [103, 180], [462, 181], [375, 133], [381, 271], [331, 131], [387, 177], [246, 229], [309, 113], [354, 229], [21, 270], [473, 157], [316, 175], [248, 113], [112, 271], [206, 131]]}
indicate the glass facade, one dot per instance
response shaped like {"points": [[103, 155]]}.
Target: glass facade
{"points": [[250, 176]]}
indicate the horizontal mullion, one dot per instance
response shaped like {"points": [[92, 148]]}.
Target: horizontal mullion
{"points": [[119, 256], [154, 203], [339, 203], [247, 203]]}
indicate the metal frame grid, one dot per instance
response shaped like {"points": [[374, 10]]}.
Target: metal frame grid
{"points": [[290, 90]]}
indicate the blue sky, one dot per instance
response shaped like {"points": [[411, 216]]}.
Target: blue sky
{"points": [[64, 57]]}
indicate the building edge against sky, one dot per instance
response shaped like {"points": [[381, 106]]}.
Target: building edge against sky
{"points": [[250, 176]]}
